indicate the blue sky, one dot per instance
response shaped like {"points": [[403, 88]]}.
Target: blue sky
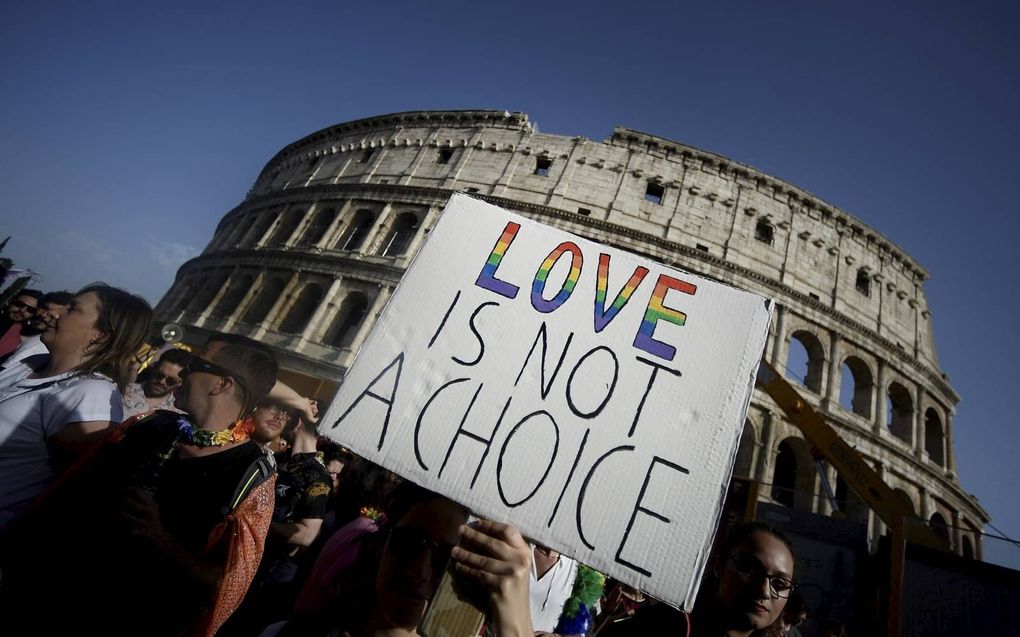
{"points": [[127, 129]]}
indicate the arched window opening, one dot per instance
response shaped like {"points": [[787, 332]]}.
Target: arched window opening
{"points": [[301, 312], [863, 283], [357, 230], [765, 232], [290, 221], [851, 506], [187, 291], [208, 291], [968, 548], [934, 437], [856, 387], [235, 293], [264, 302], [404, 228], [745, 452], [345, 324], [805, 360], [900, 412], [317, 229], [939, 526], [906, 499], [784, 477], [257, 230]]}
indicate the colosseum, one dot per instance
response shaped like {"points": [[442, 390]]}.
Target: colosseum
{"points": [[309, 258]]}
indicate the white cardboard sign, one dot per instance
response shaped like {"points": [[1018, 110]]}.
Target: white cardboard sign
{"points": [[593, 398]]}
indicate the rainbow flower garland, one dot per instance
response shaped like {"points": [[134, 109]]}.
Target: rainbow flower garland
{"points": [[238, 432], [576, 617]]}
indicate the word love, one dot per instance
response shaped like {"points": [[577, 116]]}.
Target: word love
{"points": [[655, 311]]}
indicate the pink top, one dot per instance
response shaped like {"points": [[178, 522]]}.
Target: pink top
{"points": [[338, 555]]}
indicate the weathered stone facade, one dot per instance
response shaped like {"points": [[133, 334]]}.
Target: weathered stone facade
{"points": [[308, 259]]}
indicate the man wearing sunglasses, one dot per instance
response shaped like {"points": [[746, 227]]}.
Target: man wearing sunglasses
{"points": [[21, 308], [170, 516], [156, 391]]}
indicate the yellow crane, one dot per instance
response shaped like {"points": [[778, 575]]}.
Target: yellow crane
{"points": [[903, 525]]}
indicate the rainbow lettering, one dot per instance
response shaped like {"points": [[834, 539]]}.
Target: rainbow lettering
{"points": [[487, 277], [538, 286], [602, 316], [656, 311]]}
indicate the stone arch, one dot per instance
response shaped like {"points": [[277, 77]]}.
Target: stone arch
{"points": [[208, 291], [939, 526], [900, 412], [967, 548], [264, 301], [793, 478], [288, 224], [852, 507], [345, 324], [856, 386], [805, 353], [400, 235], [258, 229], [301, 310], [744, 463], [934, 437], [905, 497], [321, 222], [357, 230], [185, 292], [233, 297]]}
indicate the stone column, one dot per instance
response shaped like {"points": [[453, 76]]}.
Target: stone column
{"points": [[950, 453], [832, 384], [919, 432], [956, 533], [245, 301], [779, 345], [878, 406], [768, 442]]}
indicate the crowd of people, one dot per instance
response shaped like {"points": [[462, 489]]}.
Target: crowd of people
{"points": [[194, 496]]}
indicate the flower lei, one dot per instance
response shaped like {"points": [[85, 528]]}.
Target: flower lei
{"points": [[238, 432], [577, 617], [373, 514]]}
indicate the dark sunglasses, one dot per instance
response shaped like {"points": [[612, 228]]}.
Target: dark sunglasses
{"points": [[25, 306], [196, 364], [170, 381], [407, 543]]}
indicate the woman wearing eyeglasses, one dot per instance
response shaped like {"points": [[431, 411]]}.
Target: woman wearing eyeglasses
{"points": [[750, 584], [54, 406]]}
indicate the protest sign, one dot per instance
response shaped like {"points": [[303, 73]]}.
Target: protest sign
{"points": [[591, 397]]}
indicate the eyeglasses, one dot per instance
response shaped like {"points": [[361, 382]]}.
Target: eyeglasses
{"points": [[751, 570], [407, 543], [24, 306], [277, 410], [196, 364]]}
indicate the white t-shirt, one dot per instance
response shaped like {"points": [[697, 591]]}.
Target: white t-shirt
{"points": [[32, 410], [551, 592], [30, 346]]}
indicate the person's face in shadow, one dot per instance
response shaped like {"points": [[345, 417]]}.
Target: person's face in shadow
{"points": [[413, 560], [753, 582]]}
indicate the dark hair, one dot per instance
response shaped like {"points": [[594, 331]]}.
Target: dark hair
{"points": [[252, 362], [332, 451], [741, 532], [124, 318], [174, 356], [60, 297], [35, 294]]}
